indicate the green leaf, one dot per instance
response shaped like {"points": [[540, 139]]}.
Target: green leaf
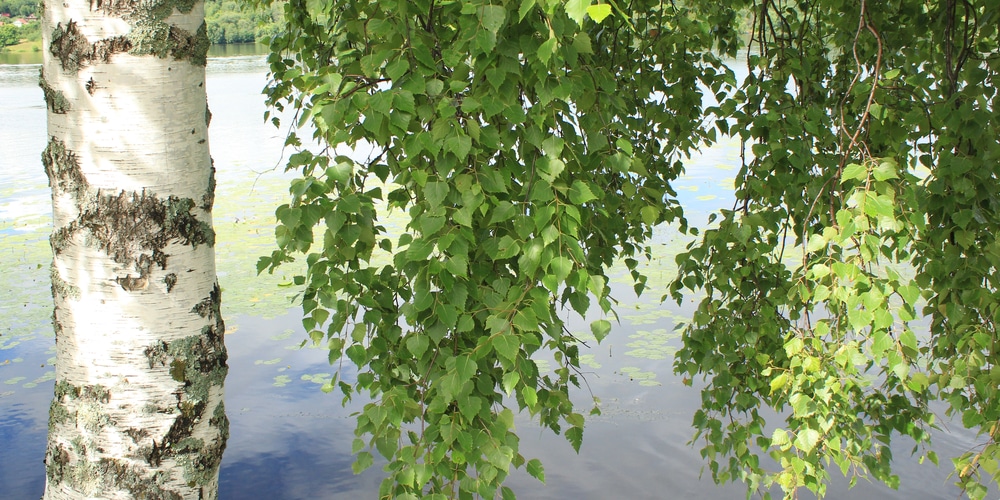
{"points": [[509, 382], [430, 225], [779, 382], [580, 193], [419, 249], [536, 470], [599, 11], [882, 342], [397, 68], [560, 268], [884, 171], [526, 7], [434, 87], [530, 396], [493, 17], [577, 10], [363, 461], [650, 214], [853, 171], [547, 49], [575, 437], [806, 439], [507, 346], [526, 321], [417, 344], [816, 243], [600, 329], [466, 368], [780, 439]]}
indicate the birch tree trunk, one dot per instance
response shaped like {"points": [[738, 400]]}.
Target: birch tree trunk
{"points": [[138, 410]]}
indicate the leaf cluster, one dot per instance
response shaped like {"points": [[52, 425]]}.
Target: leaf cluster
{"points": [[866, 202], [527, 146]]}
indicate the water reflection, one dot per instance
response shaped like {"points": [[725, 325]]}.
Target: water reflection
{"points": [[288, 439]]}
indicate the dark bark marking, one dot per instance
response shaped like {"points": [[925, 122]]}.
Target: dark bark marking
{"points": [[134, 228], [75, 51], [170, 280], [55, 100], [208, 199]]}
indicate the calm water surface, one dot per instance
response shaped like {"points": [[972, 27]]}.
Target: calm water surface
{"points": [[288, 439]]}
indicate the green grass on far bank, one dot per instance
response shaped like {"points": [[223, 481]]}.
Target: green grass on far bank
{"points": [[24, 47]]}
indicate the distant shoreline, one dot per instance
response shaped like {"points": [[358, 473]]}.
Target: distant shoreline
{"points": [[31, 52]]}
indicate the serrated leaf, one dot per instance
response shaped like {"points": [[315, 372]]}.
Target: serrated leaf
{"points": [[493, 17], [600, 329], [780, 439], [575, 437], [506, 345], [431, 224], [530, 397], [336, 347], [436, 192], [599, 12], [580, 193], [459, 145], [466, 368], [778, 383], [816, 243], [510, 381], [806, 439], [526, 321], [419, 249], [507, 248], [526, 7], [577, 10], [882, 342], [649, 214], [417, 345], [535, 469], [575, 419], [560, 268], [546, 49], [853, 171], [885, 170], [363, 462], [397, 68], [434, 87], [908, 340]]}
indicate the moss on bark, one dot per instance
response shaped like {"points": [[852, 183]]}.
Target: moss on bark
{"points": [[92, 477], [60, 288], [63, 169]]}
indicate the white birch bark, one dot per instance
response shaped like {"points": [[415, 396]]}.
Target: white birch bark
{"points": [[140, 359]]}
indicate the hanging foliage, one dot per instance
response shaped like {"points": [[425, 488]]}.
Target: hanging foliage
{"points": [[867, 205], [528, 146]]}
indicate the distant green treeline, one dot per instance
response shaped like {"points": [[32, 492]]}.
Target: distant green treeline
{"points": [[227, 21]]}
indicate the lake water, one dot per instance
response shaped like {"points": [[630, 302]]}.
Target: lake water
{"points": [[288, 439]]}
